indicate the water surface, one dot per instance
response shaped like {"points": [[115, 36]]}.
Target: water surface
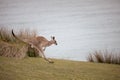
{"points": [[80, 26]]}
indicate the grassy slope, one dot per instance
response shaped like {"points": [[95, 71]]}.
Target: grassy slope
{"points": [[38, 69]]}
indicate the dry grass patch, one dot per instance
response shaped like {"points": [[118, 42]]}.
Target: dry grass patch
{"points": [[104, 57], [11, 47]]}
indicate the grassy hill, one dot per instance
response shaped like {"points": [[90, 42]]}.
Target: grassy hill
{"points": [[32, 68], [21, 67]]}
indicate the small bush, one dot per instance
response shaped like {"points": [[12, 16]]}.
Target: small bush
{"points": [[104, 57], [11, 47], [13, 50]]}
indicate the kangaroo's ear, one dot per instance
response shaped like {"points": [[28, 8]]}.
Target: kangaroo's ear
{"points": [[52, 37]]}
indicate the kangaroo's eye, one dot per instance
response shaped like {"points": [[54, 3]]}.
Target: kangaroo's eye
{"points": [[55, 41]]}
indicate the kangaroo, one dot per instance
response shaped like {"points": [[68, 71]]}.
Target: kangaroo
{"points": [[40, 43]]}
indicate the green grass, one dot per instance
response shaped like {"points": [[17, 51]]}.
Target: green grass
{"points": [[38, 69]]}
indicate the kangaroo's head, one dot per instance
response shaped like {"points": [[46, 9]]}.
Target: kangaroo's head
{"points": [[53, 40]]}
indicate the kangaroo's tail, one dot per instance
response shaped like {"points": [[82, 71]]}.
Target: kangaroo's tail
{"points": [[14, 35], [17, 37]]}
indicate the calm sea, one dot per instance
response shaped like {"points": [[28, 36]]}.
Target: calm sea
{"points": [[80, 26]]}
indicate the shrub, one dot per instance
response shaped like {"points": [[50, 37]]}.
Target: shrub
{"points": [[104, 57], [11, 47]]}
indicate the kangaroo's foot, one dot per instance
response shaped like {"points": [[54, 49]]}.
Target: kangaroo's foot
{"points": [[50, 61]]}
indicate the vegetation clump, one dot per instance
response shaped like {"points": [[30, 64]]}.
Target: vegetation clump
{"points": [[11, 47], [104, 57]]}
